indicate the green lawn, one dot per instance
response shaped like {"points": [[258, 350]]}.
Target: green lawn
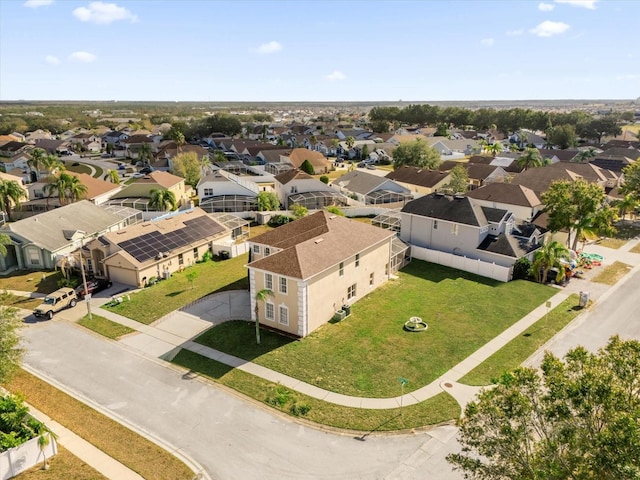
{"points": [[520, 348], [438, 409], [31, 281], [365, 354], [104, 326], [612, 273], [168, 295], [9, 300]]}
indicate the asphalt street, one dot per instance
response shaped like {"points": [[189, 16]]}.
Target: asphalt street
{"points": [[229, 436]]}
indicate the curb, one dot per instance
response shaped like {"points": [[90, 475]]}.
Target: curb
{"points": [[198, 470]]}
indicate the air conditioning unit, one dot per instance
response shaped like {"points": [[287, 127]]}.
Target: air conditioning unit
{"points": [[339, 315]]}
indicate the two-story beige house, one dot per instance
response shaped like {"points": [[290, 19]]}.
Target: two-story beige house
{"points": [[316, 264]]}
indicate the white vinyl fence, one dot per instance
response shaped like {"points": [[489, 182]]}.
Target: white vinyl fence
{"points": [[484, 269], [18, 459]]}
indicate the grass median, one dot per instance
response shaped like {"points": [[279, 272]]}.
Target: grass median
{"points": [[105, 327], [63, 466], [136, 452], [438, 409], [522, 347]]}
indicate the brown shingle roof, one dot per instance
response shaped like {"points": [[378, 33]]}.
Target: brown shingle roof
{"points": [[315, 243], [299, 155], [418, 176], [293, 174], [164, 179], [506, 193]]}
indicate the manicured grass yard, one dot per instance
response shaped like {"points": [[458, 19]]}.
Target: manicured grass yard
{"points": [[10, 300], [104, 326], [438, 409], [154, 302], [31, 281], [612, 273], [366, 353], [520, 348], [129, 448]]}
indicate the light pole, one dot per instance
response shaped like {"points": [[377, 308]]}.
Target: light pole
{"points": [[87, 295]]}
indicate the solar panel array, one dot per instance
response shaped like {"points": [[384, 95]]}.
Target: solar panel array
{"points": [[155, 243]]}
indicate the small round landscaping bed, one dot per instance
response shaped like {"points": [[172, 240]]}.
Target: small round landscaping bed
{"points": [[415, 324]]}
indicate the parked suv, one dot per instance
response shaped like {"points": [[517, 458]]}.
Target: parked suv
{"points": [[56, 301]]}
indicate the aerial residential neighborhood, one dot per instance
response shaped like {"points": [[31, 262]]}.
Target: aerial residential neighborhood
{"points": [[248, 240]]}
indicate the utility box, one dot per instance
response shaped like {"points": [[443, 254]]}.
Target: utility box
{"points": [[347, 309], [339, 315], [584, 299]]}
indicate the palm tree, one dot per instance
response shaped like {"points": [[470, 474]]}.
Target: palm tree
{"points": [[626, 205], [261, 296], [350, 142], [531, 158], [144, 153], [51, 163], [552, 254], [37, 157], [585, 155], [75, 189], [10, 194], [114, 176], [205, 165], [162, 200], [43, 442], [4, 241], [494, 148]]}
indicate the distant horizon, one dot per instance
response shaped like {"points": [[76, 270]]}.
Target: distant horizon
{"points": [[318, 51]]}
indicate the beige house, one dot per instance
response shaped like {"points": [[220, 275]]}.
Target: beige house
{"points": [[316, 264], [299, 155], [136, 255], [141, 188]]}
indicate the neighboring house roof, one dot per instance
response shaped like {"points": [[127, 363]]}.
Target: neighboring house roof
{"points": [[631, 153], [95, 186], [47, 230], [133, 139], [621, 144], [315, 243], [299, 155], [164, 179], [172, 150], [539, 179], [562, 155], [361, 182], [49, 145], [458, 209], [293, 174], [13, 146], [273, 156], [508, 245], [506, 193], [141, 243], [417, 176]]}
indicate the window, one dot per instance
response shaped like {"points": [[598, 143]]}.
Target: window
{"points": [[282, 285], [89, 265], [454, 229], [268, 281], [351, 291], [435, 224], [256, 249], [371, 278], [195, 253], [357, 260], [180, 259], [208, 192], [34, 258], [267, 251], [270, 312], [284, 315], [341, 270]]}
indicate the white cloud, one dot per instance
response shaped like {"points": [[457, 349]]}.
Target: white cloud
{"points": [[546, 7], [37, 3], [515, 33], [549, 29], [590, 4], [52, 60], [487, 42], [628, 76], [335, 76], [271, 47], [84, 57], [103, 13]]}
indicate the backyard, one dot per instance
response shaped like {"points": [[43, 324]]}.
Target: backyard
{"points": [[154, 302], [366, 353]]}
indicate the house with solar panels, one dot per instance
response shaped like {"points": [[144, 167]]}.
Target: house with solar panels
{"points": [[141, 253]]}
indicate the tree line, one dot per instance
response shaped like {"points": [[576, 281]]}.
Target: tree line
{"points": [[505, 120]]}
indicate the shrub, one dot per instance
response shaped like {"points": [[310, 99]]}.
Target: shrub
{"points": [[521, 269], [278, 396], [16, 425], [206, 256], [278, 220], [68, 282], [299, 409], [324, 179], [307, 167]]}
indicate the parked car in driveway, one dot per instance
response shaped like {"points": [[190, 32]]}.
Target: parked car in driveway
{"points": [[146, 170], [94, 285]]}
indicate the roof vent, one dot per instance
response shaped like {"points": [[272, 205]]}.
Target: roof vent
{"points": [[439, 194], [332, 217], [319, 240], [458, 196]]}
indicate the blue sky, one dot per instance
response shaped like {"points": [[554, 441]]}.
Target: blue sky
{"points": [[318, 50]]}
